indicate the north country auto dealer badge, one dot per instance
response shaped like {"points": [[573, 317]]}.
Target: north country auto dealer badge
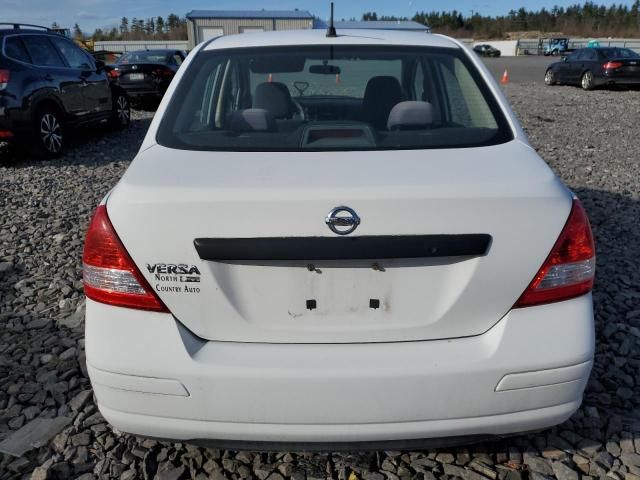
{"points": [[175, 278]]}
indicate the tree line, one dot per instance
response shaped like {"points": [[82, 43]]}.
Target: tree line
{"points": [[587, 20], [173, 27]]}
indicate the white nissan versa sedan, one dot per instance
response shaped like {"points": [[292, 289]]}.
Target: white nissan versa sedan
{"points": [[335, 241]]}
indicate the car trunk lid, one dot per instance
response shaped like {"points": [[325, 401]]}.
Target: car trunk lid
{"points": [[131, 73], [457, 236]]}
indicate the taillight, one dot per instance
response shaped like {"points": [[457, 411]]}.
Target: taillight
{"points": [[5, 76], [612, 65], [114, 73], [163, 72], [109, 274], [569, 269]]}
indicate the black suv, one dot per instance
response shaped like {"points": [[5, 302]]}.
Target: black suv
{"points": [[49, 85]]}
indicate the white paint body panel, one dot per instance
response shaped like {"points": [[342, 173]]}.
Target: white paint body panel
{"points": [[446, 356], [333, 393], [168, 198]]}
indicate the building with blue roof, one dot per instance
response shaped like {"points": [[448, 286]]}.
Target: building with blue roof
{"points": [[203, 25]]}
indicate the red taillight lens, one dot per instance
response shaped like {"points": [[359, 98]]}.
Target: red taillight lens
{"points": [[114, 73], [6, 134], [569, 269], [163, 72], [109, 274], [5, 76], [612, 65]]}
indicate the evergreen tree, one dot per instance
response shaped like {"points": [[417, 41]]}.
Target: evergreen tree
{"points": [[150, 27], [160, 26], [124, 26]]}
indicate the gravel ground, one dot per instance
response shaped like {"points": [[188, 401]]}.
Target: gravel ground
{"points": [[589, 138]]}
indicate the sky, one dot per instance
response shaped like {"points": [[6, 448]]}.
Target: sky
{"points": [[90, 14]]}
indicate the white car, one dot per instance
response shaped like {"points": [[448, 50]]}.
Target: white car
{"points": [[337, 242]]}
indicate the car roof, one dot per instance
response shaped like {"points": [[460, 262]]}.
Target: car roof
{"points": [[17, 31], [318, 37]]}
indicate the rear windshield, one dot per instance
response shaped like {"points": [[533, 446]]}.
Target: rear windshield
{"points": [[332, 98], [144, 57], [617, 53]]}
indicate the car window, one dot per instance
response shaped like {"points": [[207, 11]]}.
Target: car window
{"points": [[572, 57], [607, 53], [15, 49], [349, 80], [418, 83], [149, 56], [75, 57], [587, 54], [467, 107], [338, 98], [42, 51]]}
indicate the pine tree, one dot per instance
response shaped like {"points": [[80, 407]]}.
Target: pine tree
{"points": [[160, 26], [150, 27], [124, 26]]}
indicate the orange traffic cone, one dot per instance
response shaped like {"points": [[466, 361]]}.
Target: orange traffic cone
{"points": [[505, 77]]}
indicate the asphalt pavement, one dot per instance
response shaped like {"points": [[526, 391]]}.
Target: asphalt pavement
{"points": [[521, 69]]}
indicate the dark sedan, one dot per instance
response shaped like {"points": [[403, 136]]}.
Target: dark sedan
{"points": [[594, 67], [146, 73], [485, 50]]}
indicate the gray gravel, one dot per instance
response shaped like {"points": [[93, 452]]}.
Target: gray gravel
{"points": [[589, 138]]}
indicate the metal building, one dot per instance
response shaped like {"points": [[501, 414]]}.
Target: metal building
{"points": [[205, 24]]}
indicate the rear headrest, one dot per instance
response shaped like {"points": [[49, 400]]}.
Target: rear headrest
{"points": [[380, 95], [410, 116], [275, 97], [383, 86], [252, 120]]}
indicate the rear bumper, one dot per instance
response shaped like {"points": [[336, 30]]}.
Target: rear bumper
{"points": [[15, 121], [152, 377], [136, 90], [613, 79]]}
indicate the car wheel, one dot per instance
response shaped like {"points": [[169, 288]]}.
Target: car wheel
{"points": [[49, 139], [549, 78], [555, 53], [587, 81], [121, 111]]}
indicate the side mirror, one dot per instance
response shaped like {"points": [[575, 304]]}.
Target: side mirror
{"points": [[100, 66], [565, 59]]}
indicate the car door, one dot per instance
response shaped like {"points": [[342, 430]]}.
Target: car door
{"points": [[55, 76], [589, 61], [580, 64], [565, 67], [96, 94]]}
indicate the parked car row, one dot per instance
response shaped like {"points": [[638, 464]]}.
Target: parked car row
{"points": [[49, 86], [594, 67]]}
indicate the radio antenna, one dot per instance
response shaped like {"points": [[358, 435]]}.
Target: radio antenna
{"points": [[331, 31]]}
